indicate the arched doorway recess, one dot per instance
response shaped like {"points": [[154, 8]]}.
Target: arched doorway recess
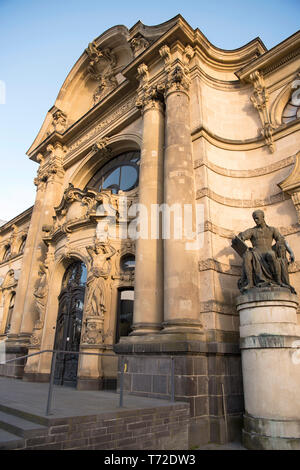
{"points": [[69, 323]]}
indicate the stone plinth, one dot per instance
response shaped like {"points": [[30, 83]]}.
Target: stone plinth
{"points": [[270, 342]]}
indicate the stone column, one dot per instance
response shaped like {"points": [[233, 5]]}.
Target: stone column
{"points": [[148, 294], [49, 184], [180, 263], [270, 345]]}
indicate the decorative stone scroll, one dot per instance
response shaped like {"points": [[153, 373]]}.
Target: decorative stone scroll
{"points": [[138, 44], [101, 69], [59, 122], [260, 99], [51, 166]]}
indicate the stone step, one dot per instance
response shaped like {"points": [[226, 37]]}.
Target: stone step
{"points": [[24, 415], [20, 426], [9, 441]]}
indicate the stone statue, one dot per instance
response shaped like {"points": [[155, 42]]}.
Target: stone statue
{"points": [[100, 256], [40, 294], [265, 264]]}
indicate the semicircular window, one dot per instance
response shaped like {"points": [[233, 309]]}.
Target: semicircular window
{"points": [[119, 174], [292, 109]]}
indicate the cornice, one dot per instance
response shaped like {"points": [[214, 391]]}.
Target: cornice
{"points": [[223, 232], [11, 260], [245, 203], [219, 58], [245, 173], [115, 99], [211, 264], [247, 144], [274, 58], [18, 220]]}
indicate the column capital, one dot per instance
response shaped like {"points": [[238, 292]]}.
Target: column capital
{"points": [[150, 98], [51, 166], [177, 67]]}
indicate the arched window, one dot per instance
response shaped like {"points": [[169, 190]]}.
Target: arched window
{"points": [[120, 173], [292, 109], [127, 262], [9, 314], [7, 252], [22, 246]]}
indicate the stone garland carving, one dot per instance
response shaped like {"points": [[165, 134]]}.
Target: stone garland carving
{"points": [[260, 99], [96, 296], [101, 68], [264, 265]]}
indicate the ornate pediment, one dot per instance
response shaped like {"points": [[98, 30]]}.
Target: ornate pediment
{"points": [[83, 207]]}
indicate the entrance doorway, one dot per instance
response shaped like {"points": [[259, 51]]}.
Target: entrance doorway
{"points": [[69, 322]]}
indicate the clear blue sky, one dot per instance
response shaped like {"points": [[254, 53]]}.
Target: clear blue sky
{"points": [[41, 40]]}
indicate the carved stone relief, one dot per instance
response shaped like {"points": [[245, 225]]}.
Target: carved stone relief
{"points": [[96, 299], [101, 69], [260, 100], [138, 44], [59, 122]]}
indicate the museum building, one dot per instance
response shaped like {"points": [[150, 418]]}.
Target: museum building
{"points": [[156, 116]]}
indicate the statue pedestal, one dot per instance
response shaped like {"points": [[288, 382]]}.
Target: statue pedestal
{"points": [[270, 347]]}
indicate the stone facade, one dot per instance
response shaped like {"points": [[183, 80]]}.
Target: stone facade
{"points": [[214, 128]]}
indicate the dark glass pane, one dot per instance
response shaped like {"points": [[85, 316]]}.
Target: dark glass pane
{"points": [[112, 179], [126, 317], [128, 177], [76, 273], [128, 263], [111, 170]]}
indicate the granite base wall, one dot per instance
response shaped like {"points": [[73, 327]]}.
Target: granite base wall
{"points": [[210, 382]]}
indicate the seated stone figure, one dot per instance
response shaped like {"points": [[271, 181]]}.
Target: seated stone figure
{"points": [[264, 264]]}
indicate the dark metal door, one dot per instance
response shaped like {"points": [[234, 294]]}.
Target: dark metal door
{"points": [[69, 321]]}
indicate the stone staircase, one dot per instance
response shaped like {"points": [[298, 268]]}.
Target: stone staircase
{"points": [[17, 428]]}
